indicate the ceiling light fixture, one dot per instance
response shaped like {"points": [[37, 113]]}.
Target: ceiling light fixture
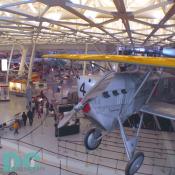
{"points": [[158, 14], [32, 8], [54, 16], [90, 14]]}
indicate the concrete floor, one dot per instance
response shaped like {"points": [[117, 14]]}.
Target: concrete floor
{"points": [[9, 109]]}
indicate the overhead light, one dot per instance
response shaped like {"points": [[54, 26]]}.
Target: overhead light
{"points": [[90, 14], [8, 14], [45, 24], [95, 38], [32, 8], [158, 14], [75, 1], [54, 16], [18, 86], [93, 64]]}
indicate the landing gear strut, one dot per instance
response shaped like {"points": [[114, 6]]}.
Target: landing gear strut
{"points": [[92, 139], [134, 164]]}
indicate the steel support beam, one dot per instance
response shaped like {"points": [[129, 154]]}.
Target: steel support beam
{"points": [[91, 23], [84, 65], [31, 64], [154, 6], [9, 62], [120, 6], [168, 15], [17, 3], [23, 60]]}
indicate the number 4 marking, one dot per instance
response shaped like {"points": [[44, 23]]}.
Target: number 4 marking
{"points": [[82, 89]]}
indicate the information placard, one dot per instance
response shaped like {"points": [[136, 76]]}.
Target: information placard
{"points": [[4, 64]]}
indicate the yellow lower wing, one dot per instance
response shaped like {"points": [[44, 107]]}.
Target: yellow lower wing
{"points": [[152, 61]]}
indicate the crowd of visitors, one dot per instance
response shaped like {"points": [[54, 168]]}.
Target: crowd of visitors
{"points": [[38, 107]]}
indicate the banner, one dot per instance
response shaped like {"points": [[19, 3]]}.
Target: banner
{"points": [[4, 64]]}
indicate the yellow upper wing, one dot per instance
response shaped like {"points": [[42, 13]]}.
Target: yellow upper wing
{"points": [[152, 61]]}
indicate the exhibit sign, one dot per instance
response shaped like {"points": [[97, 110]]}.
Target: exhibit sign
{"points": [[14, 162], [4, 64]]}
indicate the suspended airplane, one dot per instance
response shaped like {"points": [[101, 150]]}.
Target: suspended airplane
{"points": [[112, 99]]}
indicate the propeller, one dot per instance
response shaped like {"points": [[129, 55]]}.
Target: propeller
{"points": [[69, 115]]}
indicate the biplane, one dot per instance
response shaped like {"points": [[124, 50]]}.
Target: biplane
{"points": [[112, 99]]}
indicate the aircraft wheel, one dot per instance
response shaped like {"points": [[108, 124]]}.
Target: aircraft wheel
{"points": [[134, 164], [91, 141]]}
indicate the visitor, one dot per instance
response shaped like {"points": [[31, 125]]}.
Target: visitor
{"points": [[40, 111], [44, 110], [24, 118], [47, 108], [42, 95], [33, 107], [30, 117], [16, 127]]}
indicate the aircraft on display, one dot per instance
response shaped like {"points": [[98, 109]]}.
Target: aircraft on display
{"points": [[112, 99]]}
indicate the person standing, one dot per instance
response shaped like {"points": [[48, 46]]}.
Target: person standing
{"points": [[37, 108], [47, 108], [24, 118], [40, 111], [16, 126], [30, 116], [44, 110], [28, 96], [42, 95], [33, 107]]}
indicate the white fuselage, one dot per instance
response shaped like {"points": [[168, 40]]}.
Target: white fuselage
{"points": [[117, 99]]}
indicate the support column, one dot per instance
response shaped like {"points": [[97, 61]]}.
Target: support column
{"points": [[116, 65], [117, 50], [23, 60], [9, 62], [84, 66], [31, 64]]}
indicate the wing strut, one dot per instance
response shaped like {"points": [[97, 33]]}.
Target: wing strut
{"points": [[143, 83], [130, 144], [135, 159], [154, 88]]}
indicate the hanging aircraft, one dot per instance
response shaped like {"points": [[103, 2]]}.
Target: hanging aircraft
{"points": [[112, 99]]}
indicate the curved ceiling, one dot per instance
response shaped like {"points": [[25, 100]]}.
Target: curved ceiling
{"points": [[122, 22]]}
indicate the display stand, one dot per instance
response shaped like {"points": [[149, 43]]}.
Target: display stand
{"points": [[69, 129]]}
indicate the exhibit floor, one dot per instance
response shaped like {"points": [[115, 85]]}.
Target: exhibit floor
{"points": [[9, 108], [68, 156]]}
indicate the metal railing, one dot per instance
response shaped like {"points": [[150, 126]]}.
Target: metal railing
{"points": [[63, 159]]}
